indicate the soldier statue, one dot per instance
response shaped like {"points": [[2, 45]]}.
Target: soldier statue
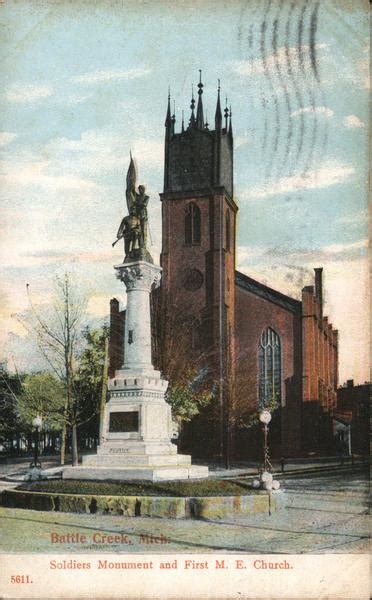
{"points": [[133, 227]]}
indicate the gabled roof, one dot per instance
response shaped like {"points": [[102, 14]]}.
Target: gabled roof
{"points": [[267, 293]]}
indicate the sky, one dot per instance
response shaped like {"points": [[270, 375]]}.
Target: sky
{"points": [[86, 82]]}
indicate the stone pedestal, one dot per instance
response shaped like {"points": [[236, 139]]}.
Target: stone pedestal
{"points": [[136, 434]]}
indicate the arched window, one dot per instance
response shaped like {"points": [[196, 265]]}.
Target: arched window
{"points": [[192, 224], [227, 233], [270, 368]]}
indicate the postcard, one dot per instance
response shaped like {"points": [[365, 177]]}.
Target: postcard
{"points": [[184, 375]]}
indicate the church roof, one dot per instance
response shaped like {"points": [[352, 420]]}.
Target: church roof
{"points": [[267, 293]]}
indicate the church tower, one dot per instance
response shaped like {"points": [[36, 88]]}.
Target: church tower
{"points": [[198, 254]]}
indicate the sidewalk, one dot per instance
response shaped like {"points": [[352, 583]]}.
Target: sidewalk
{"points": [[12, 471], [289, 467]]}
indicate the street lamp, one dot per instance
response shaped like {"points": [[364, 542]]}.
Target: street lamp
{"points": [[265, 418], [266, 480], [37, 424]]}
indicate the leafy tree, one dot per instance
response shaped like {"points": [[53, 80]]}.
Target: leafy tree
{"points": [[188, 393], [42, 394], [10, 424], [90, 381]]}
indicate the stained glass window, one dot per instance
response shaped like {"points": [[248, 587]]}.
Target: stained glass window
{"points": [[269, 368]]}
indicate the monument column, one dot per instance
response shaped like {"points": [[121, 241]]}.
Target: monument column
{"points": [[139, 278]]}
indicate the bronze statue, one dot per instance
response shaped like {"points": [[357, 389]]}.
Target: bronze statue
{"points": [[133, 227], [141, 209]]}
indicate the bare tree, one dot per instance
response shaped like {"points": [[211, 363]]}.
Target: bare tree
{"points": [[57, 334], [182, 358]]}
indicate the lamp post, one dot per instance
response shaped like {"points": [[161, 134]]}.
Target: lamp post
{"points": [[266, 480], [37, 423], [265, 418]]}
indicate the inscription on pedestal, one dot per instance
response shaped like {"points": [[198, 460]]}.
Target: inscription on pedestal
{"points": [[123, 422], [118, 450]]}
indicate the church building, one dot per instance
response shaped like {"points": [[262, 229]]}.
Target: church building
{"points": [[257, 346]]}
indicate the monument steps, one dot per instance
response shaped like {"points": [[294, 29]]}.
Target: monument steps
{"points": [[118, 460], [127, 473]]}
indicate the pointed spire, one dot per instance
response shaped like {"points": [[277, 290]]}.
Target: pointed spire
{"points": [[183, 123], [218, 114], [230, 124], [168, 117], [199, 112], [226, 113], [173, 117], [192, 106]]}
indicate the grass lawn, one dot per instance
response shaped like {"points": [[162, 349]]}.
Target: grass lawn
{"points": [[212, 487]]}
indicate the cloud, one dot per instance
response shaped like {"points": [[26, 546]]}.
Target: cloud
{"points": [[29, 93], [331, 173], [111, 75], [90, 141], [322, 110], [6, 137], [283, 56], [293, 257], [332, 252], [249, 254], [150, 152], [241, 140], [97, 152], [98, 306], [336, 249], [33, 174], [352, 121], [47, 256]]}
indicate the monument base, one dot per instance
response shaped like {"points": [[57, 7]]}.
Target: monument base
{"points": [[135, 473], [136, 442]]}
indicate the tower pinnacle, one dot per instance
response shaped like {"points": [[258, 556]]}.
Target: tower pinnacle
{"points": [[173, 119], [218, 114], [199, 112], [192, 106], [226, 113], [168, 119]]}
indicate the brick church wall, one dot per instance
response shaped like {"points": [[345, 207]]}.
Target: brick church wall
{"points": [[320, 370], [253, 315], [177, 257]]}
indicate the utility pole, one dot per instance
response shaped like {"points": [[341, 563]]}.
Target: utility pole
{"points": [[103, 392]]}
